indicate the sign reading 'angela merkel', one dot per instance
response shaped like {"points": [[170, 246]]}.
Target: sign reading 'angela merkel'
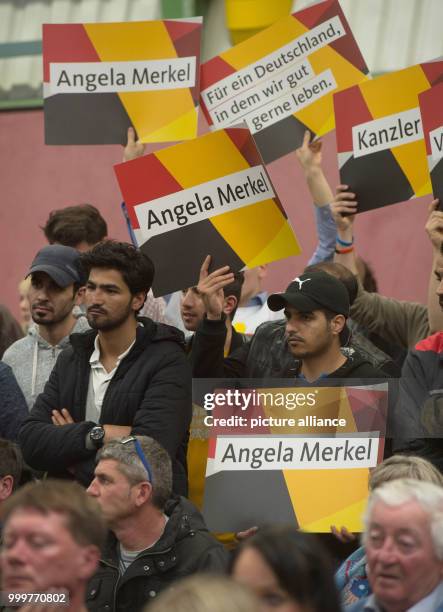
{"points": [[100, 78], [211, 195]]}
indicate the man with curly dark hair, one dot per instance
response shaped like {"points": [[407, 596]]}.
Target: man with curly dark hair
{"points": [[128, 375]]}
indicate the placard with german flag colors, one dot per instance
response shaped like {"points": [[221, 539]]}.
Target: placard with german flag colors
{"points": [[209, 196], [381, 150], [101, 78], [431, 110], [284, 454], [281, 80]]}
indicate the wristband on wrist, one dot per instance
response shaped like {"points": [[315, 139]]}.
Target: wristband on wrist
{"points": [[343, 251], [343, 243]]}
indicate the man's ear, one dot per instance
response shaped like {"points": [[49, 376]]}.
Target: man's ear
{"points": [[143, 493], [337, 324], [229, 305], [138, 299], [80, 296], [6, 486], [263, 271]]}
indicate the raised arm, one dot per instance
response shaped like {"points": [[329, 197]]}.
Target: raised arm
{"points": [[310, 158], [343, 209], [402, 323], [207, 356], [434, 229]]}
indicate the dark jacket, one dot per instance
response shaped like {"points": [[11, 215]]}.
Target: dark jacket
{"points": [[13, 407], [418, 416], [151, 390], [266, 356], [237, 340], [186, 547]]}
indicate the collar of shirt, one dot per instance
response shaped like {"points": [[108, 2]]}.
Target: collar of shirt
{"points": [[94, 359], [431, 602], [428, 604], [257, 300], [371, 605]]}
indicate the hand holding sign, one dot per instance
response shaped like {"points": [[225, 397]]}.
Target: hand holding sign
{"points": [[134, 148], [210, 287], [309, 154], [343, 208]]}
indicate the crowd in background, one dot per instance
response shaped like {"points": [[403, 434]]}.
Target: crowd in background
{"points": [[101, 487]]}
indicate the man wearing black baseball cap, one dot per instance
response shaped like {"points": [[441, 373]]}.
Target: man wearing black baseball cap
{"points": [[316, 306], [56, 277]]}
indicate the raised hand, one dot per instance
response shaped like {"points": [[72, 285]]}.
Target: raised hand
{"points": [[309, 154], [210, 288], [343, 208], [134, 148]]}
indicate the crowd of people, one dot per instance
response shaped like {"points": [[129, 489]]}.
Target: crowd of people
{"points": [[101, 487]]}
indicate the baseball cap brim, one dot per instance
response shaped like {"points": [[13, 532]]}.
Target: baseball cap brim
{"points": [[62, 278], [303, 303]]}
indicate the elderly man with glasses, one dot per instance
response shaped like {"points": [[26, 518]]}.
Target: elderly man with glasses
{"points": [[155, 538]]}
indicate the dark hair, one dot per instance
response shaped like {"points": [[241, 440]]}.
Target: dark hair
{"points": [[369, 281], [10, 330], [135, 267], [339, 271], [234, 289], [75, 224], [11, 461], [84, 518], [300, 563]]}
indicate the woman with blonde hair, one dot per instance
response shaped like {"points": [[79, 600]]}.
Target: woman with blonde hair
{"points": [[205, 593]]}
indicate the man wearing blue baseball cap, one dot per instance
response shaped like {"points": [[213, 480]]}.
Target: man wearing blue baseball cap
{"points": [[56, 278]]}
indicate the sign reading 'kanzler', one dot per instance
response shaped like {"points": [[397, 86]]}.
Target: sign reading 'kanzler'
{"points": [[380, 140]]}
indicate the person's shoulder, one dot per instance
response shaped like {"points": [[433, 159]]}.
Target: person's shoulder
{"points": [[359, 605], [433, 344], [5, 371], [153, 332], [18, 349], [358, 367], [271, 328]]}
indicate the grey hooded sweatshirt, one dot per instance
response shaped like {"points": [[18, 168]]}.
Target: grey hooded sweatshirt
{"points": [[32, 359]]}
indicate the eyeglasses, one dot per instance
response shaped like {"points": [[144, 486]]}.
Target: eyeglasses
{"points": [[140, 453]]}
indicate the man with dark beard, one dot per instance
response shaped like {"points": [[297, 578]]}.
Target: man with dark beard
{"points": [[128, 375], [315, 305], [55, 282]]}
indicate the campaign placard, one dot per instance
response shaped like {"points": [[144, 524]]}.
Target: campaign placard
{"points": [[431, 110], [209, 196], [380, 144], [101, 78], [279, 454], [281, 80]]}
